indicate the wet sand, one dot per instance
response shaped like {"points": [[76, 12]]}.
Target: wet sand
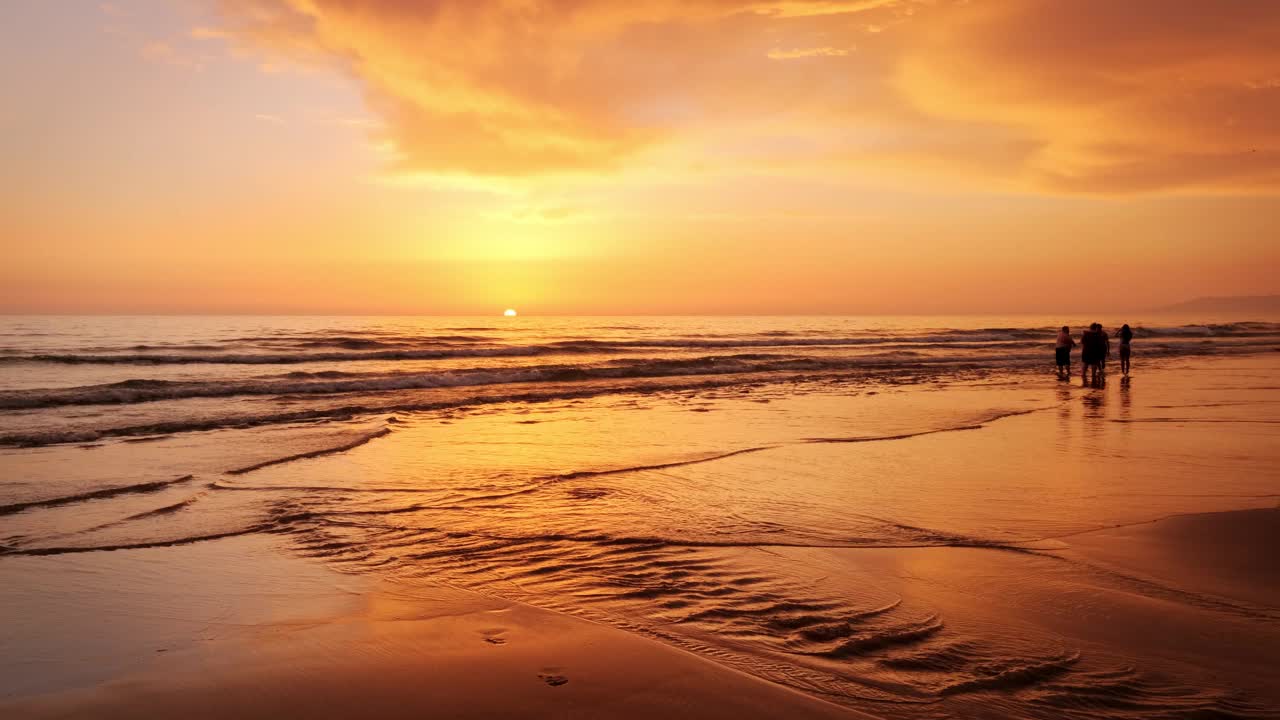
{"points": [[324, 645], [1228, 554], [985, 551], [320, 645]]}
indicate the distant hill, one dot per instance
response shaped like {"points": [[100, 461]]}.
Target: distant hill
{"points": [[1265, 304]]}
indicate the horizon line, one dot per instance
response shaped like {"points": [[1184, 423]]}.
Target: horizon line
{"points": [[524, 314]]}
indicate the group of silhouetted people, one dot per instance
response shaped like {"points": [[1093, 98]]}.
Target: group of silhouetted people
{"points": [[1095, 350]]}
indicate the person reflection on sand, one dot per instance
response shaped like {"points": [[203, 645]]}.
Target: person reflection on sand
{"points": [[1125, 399], [1066, 411], [1095, 406]]}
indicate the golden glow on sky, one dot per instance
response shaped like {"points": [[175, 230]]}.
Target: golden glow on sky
{"points": [[686, 156]]}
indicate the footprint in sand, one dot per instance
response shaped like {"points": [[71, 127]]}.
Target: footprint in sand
{"points": [[494, 637], [553, 680]]}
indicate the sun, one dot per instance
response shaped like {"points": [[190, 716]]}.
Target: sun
{"points": [[509, 312]]}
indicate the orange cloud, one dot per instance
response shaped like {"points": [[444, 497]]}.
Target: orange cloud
{"points": [[797, 53], [1118, 96], [517, 87], [1086, 96]]}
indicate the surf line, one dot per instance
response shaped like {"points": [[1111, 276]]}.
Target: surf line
{"points": [[807, 441], [94, 495], [313, 453], [40, 551]]}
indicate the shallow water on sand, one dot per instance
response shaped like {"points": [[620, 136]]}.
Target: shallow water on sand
{"points": [[752, 510]]}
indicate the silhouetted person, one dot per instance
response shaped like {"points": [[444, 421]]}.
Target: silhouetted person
{"points": [[1093, 349], [1126, 337], [1062, 351], [1106, 349]]}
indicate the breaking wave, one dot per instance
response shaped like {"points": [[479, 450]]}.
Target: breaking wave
{"points": [[335, 382]]}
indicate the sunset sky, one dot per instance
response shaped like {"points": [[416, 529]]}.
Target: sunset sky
{"points": [[672, 156]]}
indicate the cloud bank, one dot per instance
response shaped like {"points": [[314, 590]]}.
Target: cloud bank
{"points": [[1092, 96]]}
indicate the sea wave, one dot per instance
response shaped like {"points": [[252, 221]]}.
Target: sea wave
{"points": [[326, 383], [379, 351], [371, 404], [905, 355], [294, 349]]}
